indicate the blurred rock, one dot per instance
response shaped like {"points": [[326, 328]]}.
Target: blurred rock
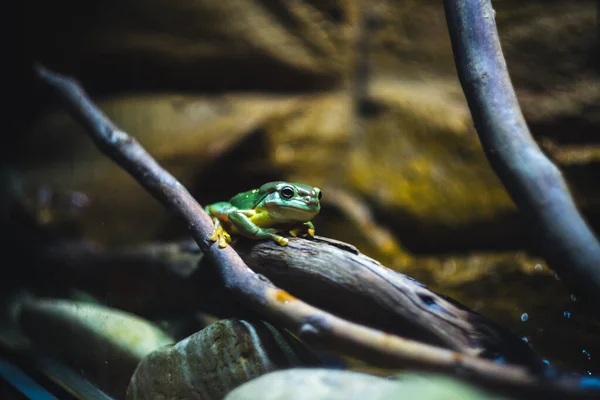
{"points": [[103, 344], [214, 361], [322, 384]]}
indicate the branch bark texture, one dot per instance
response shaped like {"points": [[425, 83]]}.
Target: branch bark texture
{"points": [[535, 184]]}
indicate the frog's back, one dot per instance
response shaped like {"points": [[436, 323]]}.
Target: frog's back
{"points": [[245, 200]]}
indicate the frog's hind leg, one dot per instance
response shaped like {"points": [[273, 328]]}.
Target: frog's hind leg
{"points": [[246, 227]]}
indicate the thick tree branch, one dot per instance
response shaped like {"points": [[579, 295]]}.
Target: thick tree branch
{"points": [[533, 181], [328, 274], [312, 325]]}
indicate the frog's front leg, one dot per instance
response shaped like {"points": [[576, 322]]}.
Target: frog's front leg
{"points": [[242, 222], [305, 228], [219, 233]]}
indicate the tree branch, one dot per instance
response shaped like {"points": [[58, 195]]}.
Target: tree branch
{"points": [[335, 277], [312, 325], [532, 180]]}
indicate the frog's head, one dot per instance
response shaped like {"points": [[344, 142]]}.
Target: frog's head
{"points": [[290, 202]]}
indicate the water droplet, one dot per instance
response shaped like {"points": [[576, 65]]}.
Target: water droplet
{"points": [[538, 267], [567, 314], [588, 372], [546, 362], [556, 276], [573, 297], [524, 338], [587, 354], [524, 317]]}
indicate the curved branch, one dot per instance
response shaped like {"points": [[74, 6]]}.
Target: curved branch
{"points": [[535, 184], [312, 325]]}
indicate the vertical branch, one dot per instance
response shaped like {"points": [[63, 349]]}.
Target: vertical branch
{"points": [[532, 180]]}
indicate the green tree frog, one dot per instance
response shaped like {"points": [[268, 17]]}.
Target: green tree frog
{"points": [[261, 213]]}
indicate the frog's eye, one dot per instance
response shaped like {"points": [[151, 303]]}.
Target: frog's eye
{"points": [[287, 192]]}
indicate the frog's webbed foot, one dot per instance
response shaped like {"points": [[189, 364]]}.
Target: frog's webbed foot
{"points": [[220, 235], [305, 229]]}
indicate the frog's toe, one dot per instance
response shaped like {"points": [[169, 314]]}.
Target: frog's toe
{"points": [[303, 231], [281, 240], [224, 238], [221, 236]]}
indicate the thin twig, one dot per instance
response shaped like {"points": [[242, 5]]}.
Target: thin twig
{"points": [[535, 184], [312, 325]]}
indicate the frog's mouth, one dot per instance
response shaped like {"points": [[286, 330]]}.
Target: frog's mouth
{"points": [[296, 210], [301, 205]]}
